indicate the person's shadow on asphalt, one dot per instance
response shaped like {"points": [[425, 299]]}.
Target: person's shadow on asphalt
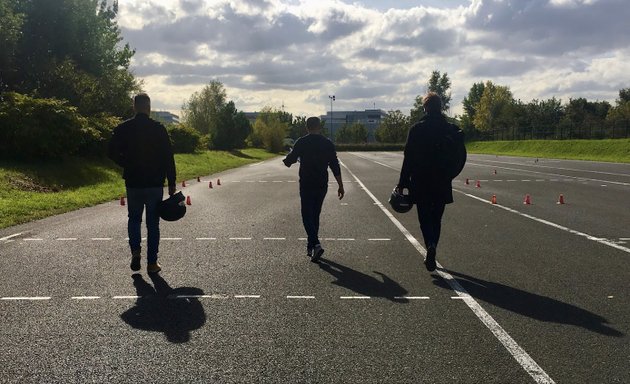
{"points": [[364, 284], [529, 304], [160, 308]]}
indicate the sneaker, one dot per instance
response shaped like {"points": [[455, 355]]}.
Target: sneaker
{"points": [[153, 268], [135, 260], [429, 261], [318, 251]]}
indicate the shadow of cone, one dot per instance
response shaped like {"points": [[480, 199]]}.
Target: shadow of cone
{"points": [[188, 200], [122, 200], [560, 199], [528, 200]]}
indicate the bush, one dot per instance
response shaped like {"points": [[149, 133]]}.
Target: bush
{"points": [[41, 128], [183, 138], [104, 125]]}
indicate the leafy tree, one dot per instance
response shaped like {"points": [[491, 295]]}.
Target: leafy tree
{"points": [[438, 83], [624, 96], [393, 128], [9, 38], [471, 102], [232, 128], [441, 85], [71, 49], [297, 128], [201, 111], [269, 130], [352, 133], [494, 108]]}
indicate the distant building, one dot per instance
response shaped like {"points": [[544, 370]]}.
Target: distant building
{"points": [[165, 117], [370, 118]]}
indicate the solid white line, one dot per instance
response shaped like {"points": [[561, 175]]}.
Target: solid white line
{"points": [[300, 297], [557, 226], [246, 296], [32, 298], [556, 168], [85, 297], [523, 358], [354, 297], [274, 238], [10, 236], [240, 238]]}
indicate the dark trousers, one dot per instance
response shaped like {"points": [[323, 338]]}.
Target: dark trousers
{"points": [[312, 201], [137, 200], [430, 217]]}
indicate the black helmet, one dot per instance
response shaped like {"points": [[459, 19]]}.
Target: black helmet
{"points": [[400, 202], [173, 208]]}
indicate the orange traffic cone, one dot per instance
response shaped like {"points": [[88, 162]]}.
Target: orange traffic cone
{"points": [[184, 184], [210, 184], [188, 200], [528, 199], [494, 199], [122, 200], [478, 184], [198, 179], [218, 181], [561, 199], [467, 181]]}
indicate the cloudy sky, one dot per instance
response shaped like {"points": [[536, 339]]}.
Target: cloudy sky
{"points": [[373, 53]]}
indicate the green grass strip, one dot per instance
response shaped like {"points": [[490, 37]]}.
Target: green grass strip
{"points": [[617, 150], [34, 190]]}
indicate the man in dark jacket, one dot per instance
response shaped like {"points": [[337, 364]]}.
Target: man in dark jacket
{"points": [[141, 146], [434, 155], [316, 153]]}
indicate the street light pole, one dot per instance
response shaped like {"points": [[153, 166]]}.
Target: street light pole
{"points": [[332, 131]]}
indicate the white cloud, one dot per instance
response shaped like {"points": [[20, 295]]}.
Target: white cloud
{"points": [[297, 52]]}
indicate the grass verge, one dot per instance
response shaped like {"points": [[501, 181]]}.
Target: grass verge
{"points": [[34, 190], [617, 150]]}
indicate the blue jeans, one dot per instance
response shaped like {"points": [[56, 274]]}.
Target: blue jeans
{"points": [[312, 201], [137, 200], [430, 217]]}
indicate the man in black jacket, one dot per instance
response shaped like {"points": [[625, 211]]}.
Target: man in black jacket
{"points": [[434, 155], [316, 153], [141, 146]]}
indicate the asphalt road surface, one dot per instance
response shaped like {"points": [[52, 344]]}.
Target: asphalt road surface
{"points": [[524, 293]]}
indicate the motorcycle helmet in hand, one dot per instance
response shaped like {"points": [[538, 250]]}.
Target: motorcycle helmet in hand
{"points": [[173, 208], [400, 202]]}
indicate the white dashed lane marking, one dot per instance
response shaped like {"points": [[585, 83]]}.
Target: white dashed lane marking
{"points": [[31, 298]]}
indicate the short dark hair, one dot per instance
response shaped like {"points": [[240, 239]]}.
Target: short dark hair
{"points": [[313, 123], [432, 103], [142, 100]]}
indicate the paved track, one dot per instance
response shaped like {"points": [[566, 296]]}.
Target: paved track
{"points": [[526, 293]]}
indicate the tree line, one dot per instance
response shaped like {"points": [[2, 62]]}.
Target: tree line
{"points": [[492, 113]]}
